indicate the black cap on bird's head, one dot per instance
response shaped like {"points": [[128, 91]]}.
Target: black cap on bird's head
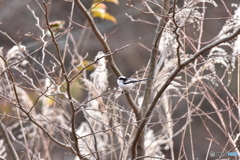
{"points": [[122, 78]]}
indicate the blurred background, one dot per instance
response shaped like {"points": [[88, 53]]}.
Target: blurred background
{"points": [[17, 20]]}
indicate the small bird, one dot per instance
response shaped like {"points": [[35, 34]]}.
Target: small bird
{"points": [[128, 83]]}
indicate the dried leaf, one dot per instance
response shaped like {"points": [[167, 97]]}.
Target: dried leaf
{"points": [[112, 1], [105, 15], [2, 64], [99, 10], [85, 63], [94, 93], [3, 152], [55, 26], [16, 54]]}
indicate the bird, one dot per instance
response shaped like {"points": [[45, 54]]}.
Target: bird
{"points": [[128, 83]]}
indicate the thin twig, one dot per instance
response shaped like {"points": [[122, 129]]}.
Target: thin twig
{"points": [[28, 114], [93, 134], [8, 141], [69, 95], [173, 75], [99, 36], [148, 89], [106, 47]]}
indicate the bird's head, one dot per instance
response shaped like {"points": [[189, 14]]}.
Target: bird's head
{"points": [[122, 78]]}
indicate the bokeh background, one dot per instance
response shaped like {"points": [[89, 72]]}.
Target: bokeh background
{"points": [[17, 20]]}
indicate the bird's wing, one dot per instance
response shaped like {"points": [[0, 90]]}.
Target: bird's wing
{"points": [[130, 81], [135, 80]]}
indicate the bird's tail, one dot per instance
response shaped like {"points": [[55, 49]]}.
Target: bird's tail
{"points": [[133, 81], [146, 79]]}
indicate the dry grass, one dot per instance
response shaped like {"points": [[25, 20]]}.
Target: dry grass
{"points": [[51, 99]]}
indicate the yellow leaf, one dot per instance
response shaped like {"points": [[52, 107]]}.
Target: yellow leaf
{"points": [[56, 25], [106, 16], [46, 102], [85, 63], [99, 10], [50, 102], [110, 17], [77, 89], [112, 1], [98, 14], [98, 7]]}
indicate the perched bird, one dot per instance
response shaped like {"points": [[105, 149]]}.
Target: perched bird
{"points": [[128, 83]]}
